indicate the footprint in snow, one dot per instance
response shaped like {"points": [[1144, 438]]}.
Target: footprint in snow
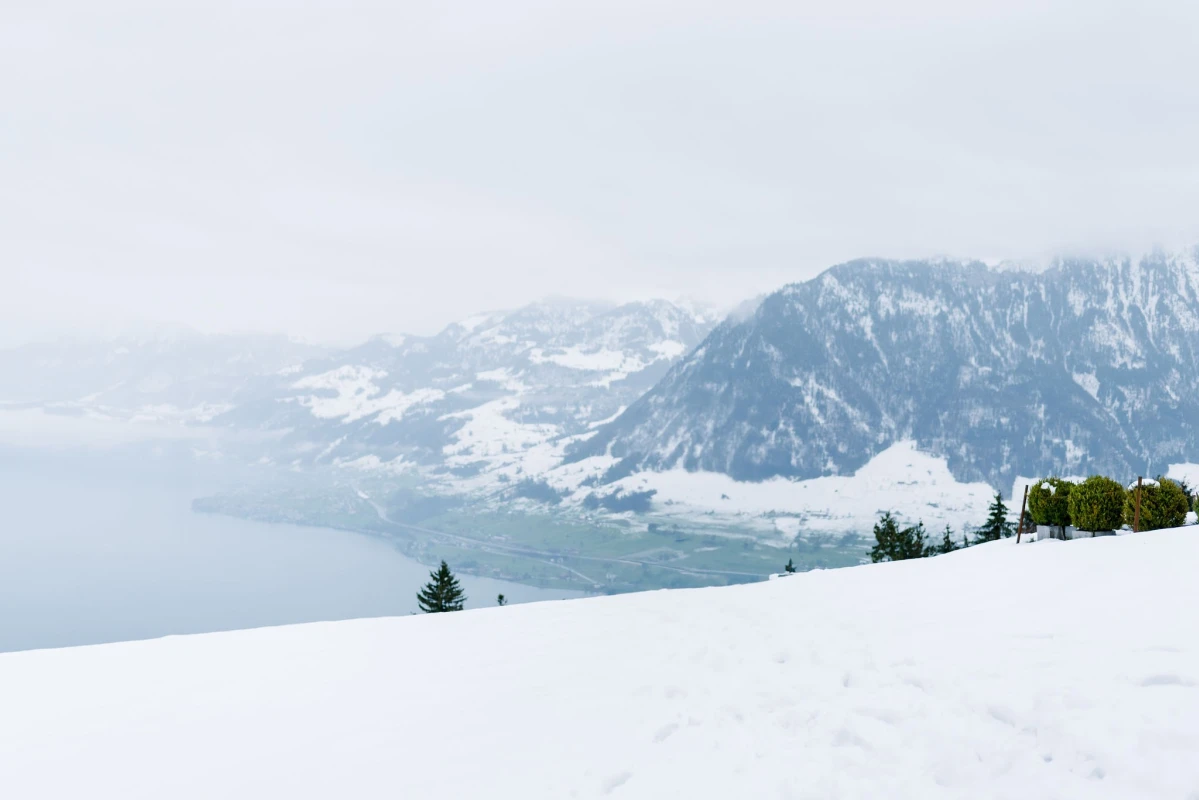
{"points": [[616, 781], [1167, 680], [665, 731]]}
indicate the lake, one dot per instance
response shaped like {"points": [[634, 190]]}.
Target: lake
{"points": [[102, 546]]}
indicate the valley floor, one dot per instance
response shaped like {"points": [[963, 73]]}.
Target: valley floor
{"points": [[606, 555], [1051, 669]]}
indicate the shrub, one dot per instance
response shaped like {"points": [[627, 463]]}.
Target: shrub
{"points": [[1097, 504], [1164, 504], [1049, 502]]}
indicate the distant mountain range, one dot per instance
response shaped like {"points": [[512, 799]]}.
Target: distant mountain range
{"points": [[490, 392], [1087, 366]]}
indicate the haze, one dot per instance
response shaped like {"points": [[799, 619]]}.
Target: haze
{"points": [[349, 168]]}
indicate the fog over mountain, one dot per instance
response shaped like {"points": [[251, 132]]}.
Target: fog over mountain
{"points": [[1085, 366], [347, 168]]}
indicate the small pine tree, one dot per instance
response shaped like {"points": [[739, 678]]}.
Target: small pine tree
{"points": [[441, 593], [948, 545], [997, 525], [789, 566], [894, 544], [886, 531], [500, 600]]}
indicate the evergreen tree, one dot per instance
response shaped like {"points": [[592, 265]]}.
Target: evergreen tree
{"points": [[1027, 525], [500, 600], [1188, 491], [997, 525], [789, 566], [948, 545], [891, 543], [441, 593]]}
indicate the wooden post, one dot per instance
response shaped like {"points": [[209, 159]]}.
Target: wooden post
{"points": [[1136, 515], [1020, 527]]}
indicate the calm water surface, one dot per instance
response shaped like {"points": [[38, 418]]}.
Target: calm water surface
{"points": [[104, 547]]}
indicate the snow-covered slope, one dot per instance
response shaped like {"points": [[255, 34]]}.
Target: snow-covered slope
{"points": [[901, 479], [1045, 670]]}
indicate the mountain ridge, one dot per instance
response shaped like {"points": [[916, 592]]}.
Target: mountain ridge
{"points": [[829, 372]]}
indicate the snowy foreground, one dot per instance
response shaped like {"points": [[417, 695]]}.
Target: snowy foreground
{"points": [[1045, 670]]}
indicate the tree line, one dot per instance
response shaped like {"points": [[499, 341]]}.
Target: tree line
{"points": [[1096, 504], [895, 543]]}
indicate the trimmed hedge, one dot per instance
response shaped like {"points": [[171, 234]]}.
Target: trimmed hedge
{"points": [[1049, 501], [1162, 506], [1097, 504]]}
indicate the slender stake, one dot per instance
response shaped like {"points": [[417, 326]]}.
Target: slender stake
{"points": [[1020, 527], [1136, 515]]}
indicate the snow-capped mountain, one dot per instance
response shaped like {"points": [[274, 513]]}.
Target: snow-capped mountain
{"points": [[490, 396], [911, 386], [485, 394], [1091, 365]]}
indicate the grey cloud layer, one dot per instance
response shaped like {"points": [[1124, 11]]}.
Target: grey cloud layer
{"points": [[358, 167]]}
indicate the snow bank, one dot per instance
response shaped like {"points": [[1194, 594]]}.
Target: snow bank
{"points": [[1052, 670]]}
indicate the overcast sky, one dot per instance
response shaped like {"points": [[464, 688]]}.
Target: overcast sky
{"points": [[392, 166]]}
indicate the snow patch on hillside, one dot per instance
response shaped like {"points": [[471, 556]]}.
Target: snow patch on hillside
{"points": [[668, 348], [1184, 472], [356, 396], [580, 359], [829, 684], [915, 485], [489, 431], [1088, 382]]}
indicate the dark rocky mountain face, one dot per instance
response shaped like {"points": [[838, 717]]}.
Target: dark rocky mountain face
{"points": [[1090, 366]]}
